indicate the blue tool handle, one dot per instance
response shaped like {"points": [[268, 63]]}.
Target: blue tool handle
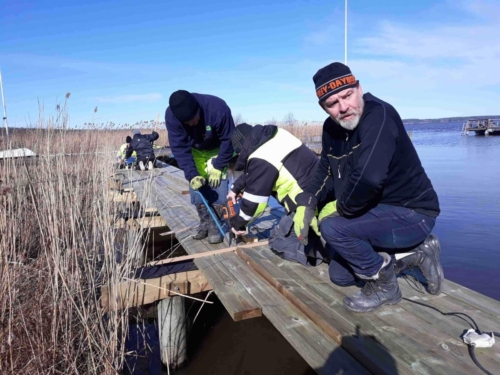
{"points": [[210, 211]]}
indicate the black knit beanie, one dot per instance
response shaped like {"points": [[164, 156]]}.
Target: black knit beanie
{"points": [[128, 139], [239, 134], [332, 79], [183, 105]]}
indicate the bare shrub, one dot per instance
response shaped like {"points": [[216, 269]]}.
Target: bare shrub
{"points": [[238, 119], [289, 120]]}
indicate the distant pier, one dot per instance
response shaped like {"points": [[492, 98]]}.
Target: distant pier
{"points": [[482, 127]]}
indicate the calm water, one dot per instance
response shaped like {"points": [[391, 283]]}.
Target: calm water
{"points": [[465, 171]]}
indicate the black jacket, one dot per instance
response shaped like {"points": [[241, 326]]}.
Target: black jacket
{"points": [[142, 145], [275, 164], [213, 131], [375, 163]]}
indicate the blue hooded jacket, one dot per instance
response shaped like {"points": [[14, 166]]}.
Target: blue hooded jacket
{"points": [[212, 131]]}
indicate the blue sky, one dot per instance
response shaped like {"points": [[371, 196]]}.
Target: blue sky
{"points": [[427, 58]]}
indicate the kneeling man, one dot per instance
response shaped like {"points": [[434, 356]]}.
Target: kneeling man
{"points": [[383, 197]]}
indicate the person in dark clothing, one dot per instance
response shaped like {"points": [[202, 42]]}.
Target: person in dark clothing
{"points": [[124, 162], [383, 198], [142, 144], [274, 163], [199, 131]]}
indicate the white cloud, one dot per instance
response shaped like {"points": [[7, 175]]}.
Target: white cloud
{"points": [[485, 9], [120, 99], [438, 69], [464, 54], [64, 63]]}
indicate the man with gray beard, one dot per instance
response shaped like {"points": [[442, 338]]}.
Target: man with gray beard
{"points": [[383, 200]]}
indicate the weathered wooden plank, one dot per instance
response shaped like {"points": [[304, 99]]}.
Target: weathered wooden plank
{"points": [[140, 292], [176, 175], [145, 190]]}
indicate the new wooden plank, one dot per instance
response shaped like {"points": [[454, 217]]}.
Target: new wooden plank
{"points": [[436, 331], [447, 314], [431, 309], [236, 299], [179, 214], [367, 351], [473, 298], [443, 313], [149, 222], [319, 350], [206, 253], [323, 304], [117, 197], [140, 292], [425, 327]]}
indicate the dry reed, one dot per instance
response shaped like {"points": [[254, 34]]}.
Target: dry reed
{"points": [[57, 247]]}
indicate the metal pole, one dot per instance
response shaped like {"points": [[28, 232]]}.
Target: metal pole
{"points": [[4, 110], [345, 34]]}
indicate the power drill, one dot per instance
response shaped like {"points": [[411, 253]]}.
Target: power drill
{"points": [[229, 213]]}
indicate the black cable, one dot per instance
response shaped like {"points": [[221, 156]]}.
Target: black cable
{"points": [[473, 356], [473, 325], [456, 314]]}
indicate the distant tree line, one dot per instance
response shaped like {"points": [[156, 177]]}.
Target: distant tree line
{"points": [[447, 119]]}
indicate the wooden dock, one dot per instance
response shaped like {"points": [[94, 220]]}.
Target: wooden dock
{"points": [[421, 335], [482, 127]]}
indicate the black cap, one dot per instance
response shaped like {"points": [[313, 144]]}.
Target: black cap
{"points": [[332, 79], [239, 134], [128, 139], [183, 105]]}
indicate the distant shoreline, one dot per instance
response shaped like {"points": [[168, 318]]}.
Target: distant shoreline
{"points": [[415, 121]]}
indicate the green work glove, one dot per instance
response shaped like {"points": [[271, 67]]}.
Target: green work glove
{"points": [[305, 217], [214, 177], [303, 220], [197, 182], [330, 210]]}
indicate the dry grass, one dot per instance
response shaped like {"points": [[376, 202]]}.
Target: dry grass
{"points": [[57, 246]]}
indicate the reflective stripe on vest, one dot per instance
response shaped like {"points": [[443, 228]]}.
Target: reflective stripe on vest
{"points": [[274, 152]]}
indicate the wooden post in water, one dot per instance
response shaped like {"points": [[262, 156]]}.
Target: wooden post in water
{"points": [[172, 328]]}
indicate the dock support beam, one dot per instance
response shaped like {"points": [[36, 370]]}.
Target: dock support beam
{"points": [[172, 327]]}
